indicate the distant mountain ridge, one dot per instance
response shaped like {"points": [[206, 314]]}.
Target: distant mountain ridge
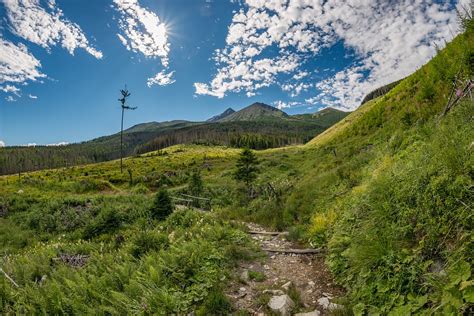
{"points": [[257, 126]]}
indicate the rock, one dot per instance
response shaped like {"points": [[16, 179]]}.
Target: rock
{"points": [[242, 289], [274, 292], [281, 304], [313, 313], [266, 267], [244, 276], [311, 284], [326, 304], [286, 286]]}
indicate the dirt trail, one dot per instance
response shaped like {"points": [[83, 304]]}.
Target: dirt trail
{"points": [[306, 272]]}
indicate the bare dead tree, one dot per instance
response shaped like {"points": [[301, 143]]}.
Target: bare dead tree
{"points": [[123, 100]]}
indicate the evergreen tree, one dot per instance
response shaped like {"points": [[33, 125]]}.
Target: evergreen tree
{"points": [[247, 168], [162, 205], [195, 186]]}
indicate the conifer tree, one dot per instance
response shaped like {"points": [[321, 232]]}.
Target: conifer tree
{"points": [[247, 169]]}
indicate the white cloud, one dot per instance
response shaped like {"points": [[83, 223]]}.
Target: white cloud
{"points": [[58, 144], [286, 105], [32, 96], [46, 26], [17, 64], [10, 99], [161, 79], [2, 143], [10, 89], [390, 40], [143, 32]]}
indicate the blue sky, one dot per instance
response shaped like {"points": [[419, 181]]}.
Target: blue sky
{"points": [[63, 62]]}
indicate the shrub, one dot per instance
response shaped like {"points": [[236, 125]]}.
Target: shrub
{"points": [[162, 205], [216, 303], [148, 241], [107, 221]]}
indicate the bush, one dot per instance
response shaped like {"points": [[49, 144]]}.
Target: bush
{"points": [[216, 303], [162, 205], [107, 221], [148, 241]]}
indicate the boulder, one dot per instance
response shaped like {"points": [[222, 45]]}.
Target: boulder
{"points": [[244, 276], [281, 304]]}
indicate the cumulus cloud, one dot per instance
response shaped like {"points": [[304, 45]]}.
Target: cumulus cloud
{"points": [[10, 89], [390, 39], [2, 143], [46, 26], [143, 32], [161, 79], [58, 144], [10, 99], [17, 64]]}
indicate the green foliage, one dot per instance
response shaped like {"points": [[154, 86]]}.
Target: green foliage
{"points": [[147, 241], [216, 303], [162, 205], [257, 276]]}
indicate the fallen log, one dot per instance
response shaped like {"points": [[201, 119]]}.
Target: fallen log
{"points": [[254, 232], [295, 251]]}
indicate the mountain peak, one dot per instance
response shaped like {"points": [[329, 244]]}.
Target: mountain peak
{"points": [[224, 114], [255, 112]]}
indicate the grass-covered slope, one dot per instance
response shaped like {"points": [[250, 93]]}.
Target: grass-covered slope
{"points": [[389, 190]]}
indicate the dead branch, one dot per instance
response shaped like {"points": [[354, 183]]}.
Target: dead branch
{"points": [[9, 278]]}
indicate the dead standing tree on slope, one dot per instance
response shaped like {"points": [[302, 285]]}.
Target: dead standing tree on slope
{"points": [[123, 100]]}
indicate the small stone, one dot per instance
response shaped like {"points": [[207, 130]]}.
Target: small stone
{"points": [[244, 276], [286, 286], [313, 313], [242, 289], [281, 304], [311, 284], [20, 191], [326, 304], [266, 267]]}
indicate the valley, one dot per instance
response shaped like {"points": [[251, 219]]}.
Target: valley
{"points": [[209, 218]]}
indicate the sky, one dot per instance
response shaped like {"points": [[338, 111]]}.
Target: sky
{"points": [[63, 62]]}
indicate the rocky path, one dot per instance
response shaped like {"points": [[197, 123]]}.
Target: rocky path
{"points": [[282, 283]]}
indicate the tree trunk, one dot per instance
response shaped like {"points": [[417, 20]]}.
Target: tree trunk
{"points": [[121, 143]]}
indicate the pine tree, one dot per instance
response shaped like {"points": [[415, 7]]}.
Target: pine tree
{"points": [[195, 186], [162, 205], [247, 169]]}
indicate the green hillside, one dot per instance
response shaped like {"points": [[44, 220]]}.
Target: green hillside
{"points": [[388, 192], [261, 127]]}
